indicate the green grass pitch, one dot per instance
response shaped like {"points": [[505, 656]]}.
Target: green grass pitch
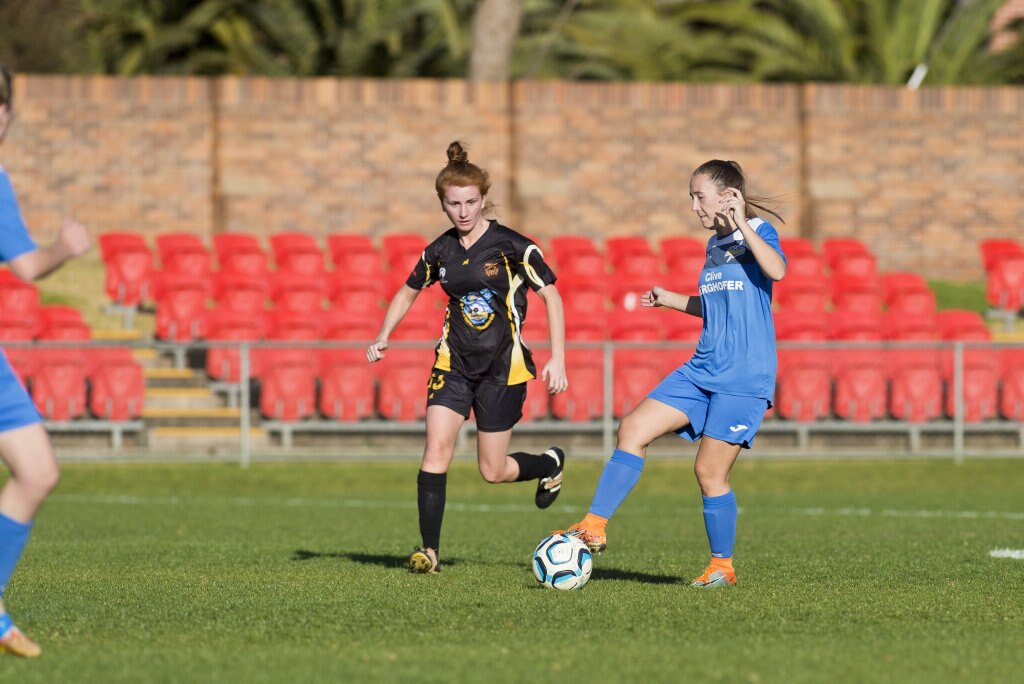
{"points": [[849, 571]]}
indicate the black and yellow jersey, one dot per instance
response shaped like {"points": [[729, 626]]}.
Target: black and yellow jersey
{"points": [[486, 287]]}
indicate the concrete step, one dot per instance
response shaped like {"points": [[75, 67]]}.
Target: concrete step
{"points": [[114, 334], [192, 417], [182, 398], [209, 440], [165, 377]]}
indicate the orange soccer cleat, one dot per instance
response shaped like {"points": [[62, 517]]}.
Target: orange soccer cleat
{"points": [[591, 530], [719, 573]]}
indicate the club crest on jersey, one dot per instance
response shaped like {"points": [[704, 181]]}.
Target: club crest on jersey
{"points": [[477, 310], [491, 269]]}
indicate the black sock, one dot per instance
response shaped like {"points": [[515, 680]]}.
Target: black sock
{"points": [[532, 466], [431, 493]]}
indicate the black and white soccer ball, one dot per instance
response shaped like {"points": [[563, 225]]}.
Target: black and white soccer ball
{"points": [[562, 561]]}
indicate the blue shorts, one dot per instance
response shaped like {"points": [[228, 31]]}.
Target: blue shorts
{"points": [[16, 407], [727, 417]]}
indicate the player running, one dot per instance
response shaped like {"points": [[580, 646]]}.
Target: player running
{"points": [[721, 394], [481, 362], [24, 445]]}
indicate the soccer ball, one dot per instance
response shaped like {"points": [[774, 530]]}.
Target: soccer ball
{"points": [[562, 561]]}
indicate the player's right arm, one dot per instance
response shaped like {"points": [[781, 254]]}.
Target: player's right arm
{"points": [[659, 296], [399, 306], [72, 241]]}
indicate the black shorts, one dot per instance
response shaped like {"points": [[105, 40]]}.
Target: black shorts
{"points": [[497, 407]]}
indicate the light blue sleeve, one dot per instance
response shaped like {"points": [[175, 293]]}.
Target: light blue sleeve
{"points": [[14, 237]]}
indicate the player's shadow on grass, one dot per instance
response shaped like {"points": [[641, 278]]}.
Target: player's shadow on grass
{"points": [[385, 560], [630, 576]]}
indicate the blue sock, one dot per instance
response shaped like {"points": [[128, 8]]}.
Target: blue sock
{"points": [[13, 537], [720, 521], [5, 624], [618, 479]]}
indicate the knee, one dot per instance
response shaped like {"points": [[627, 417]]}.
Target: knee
{"points": [[436, 458], [491, 474], [42, 478], [631, 437], [707, 475]]}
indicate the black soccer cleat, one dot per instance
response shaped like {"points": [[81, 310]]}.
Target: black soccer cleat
{"points": [[549, 487]]}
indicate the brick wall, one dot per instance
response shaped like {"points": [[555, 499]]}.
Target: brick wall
{"points": [[922, 175]]}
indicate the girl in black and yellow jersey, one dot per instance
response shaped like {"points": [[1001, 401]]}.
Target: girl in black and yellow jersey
{"points": [[481, 362]]}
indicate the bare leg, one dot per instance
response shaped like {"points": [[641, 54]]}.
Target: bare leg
{"points": [[492, 457], [647, 422], [713, 465]]}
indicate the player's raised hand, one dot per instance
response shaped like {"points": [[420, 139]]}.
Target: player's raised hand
{"points": [[74, 237], [654, 297], [555, 377], [375, 352], [733, 207]]}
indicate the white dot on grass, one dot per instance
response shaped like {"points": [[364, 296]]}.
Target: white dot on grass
{"points": [[1016, 554]]}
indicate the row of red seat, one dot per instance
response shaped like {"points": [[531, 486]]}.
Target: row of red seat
{"points": [[64, 383], [855, 385], [1003, 260]]}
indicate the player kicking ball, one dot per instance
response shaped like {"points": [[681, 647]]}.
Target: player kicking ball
{"points": [[721, 394], [480, 362]]}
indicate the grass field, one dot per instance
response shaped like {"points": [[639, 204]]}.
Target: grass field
{"points": [[861, 571]]}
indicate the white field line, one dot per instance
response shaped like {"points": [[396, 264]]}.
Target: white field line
{"points": [[1016, 554], [130, 500]]}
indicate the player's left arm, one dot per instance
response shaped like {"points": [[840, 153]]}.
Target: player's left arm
{"points": [[768, 258], [72, 240], [554, 370]]}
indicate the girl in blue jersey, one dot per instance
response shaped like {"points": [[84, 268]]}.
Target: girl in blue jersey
{"points": [[24, 446], [721, 394]]}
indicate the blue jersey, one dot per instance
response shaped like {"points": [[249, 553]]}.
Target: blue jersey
{"points": [[736, 351], [14, 237]]}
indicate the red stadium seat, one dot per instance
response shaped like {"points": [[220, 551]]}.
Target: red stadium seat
{"points": [[619, 246], [855, 326], [1005, 287], [632, 255], [855, 266], [957, 324], [537, 404], [184, 253], [641, 265], [58, 389], [355, 294], [801, 294], [584, 400], [803, 386], [19, 302], [1011, 378], [804, 265], [626, 293], [241, 253], [403, 250], [801, 325], [224, 363], [297, 253], [674, 247], [910, 326], [796, 247], [994, 250], [899, 283], [645, 326], [577, 255], [113, 242], [22, 359], [633, 378], [240, 292], [834, 249], [915, 385], [354, 255], [856, 294], [129, 271], [180, 308], [343, 324], [288, 389], [584, 297], [117, 390], [57, 316], [860, 384], [347, 391], [403, 391], [297, 292], [921, 302], [980, 382]]}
